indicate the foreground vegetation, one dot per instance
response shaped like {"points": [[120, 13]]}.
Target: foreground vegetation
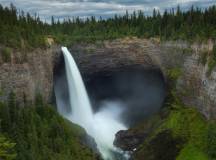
{"points": [[20, 30], [38, 132]]}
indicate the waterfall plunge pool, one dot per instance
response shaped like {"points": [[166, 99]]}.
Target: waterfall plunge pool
{"points": [[106, 102]]}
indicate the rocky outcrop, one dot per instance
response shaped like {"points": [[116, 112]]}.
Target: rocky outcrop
{"points": [[198, 89], [129, 141]]}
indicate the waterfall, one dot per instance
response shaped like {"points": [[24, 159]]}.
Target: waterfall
{"points": [[104, 124], [81, 109]]}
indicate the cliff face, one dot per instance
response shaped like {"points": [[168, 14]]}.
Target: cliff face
{"points": [[28, 74], [198, 89], [195, 87]]}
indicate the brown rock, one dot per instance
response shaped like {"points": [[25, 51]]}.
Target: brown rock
{"points": [[129, 141]]}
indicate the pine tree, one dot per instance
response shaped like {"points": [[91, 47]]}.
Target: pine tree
{"points": [[7, 151], [5, 118], [12, 107]]}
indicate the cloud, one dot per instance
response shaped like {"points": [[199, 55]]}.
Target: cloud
{"points": [[104, 8]]}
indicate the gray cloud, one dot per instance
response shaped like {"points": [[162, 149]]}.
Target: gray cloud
{"points": [[104, 8]]}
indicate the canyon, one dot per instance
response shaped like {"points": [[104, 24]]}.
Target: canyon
{"points": [[33, 72]]}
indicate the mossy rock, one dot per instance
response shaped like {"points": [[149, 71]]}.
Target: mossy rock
{"points": [[184, 134], [162, 147], [6, 54]]}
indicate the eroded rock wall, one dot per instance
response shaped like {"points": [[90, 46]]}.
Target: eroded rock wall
{"points": [[29, 74], [36, 74], [195, 87]]}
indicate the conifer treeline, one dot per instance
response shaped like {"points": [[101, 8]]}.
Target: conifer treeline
{"points": [[21, 30], [39, 133]]}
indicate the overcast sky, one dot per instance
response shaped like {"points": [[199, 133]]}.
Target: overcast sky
{"points": [[104, 8]]}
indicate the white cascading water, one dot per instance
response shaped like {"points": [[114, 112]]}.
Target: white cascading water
{"points": [[103, 125], [79, 101]]}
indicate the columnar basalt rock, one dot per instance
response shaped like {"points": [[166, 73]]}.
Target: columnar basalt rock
{"points": [[194, 86], [28, 75]]}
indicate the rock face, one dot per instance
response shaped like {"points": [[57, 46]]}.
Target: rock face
{"points": [[195, 87], [109, 55], [28, 74], [128, 141]]}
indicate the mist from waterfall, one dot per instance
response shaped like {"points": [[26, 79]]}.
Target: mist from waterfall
{"points": [[104, 124]]}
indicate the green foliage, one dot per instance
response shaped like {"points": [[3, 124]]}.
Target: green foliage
{"points": [[25, 31], [214, 52], [163, 146], [183, 121], [12, 106], [203, 58], [6, 54], [188, 124], [211, 141], [5, 117], [41, 133], [187, 50], [39, 100], [173, 74], [194, 136], [212, 61], [189, 152], [1, 92], [211, 66], [7, 151]]}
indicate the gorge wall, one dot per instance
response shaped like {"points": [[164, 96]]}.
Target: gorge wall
{"points": [[27, 74], [194, 85]]}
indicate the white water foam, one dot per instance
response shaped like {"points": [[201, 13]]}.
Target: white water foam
{"points": [[104, 124]]}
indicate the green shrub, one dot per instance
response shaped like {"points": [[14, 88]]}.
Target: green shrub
{"points": [[7, 149], [1, 92], [174, 73], [6, 54], [41, 133], [41, 42], [211, 141], [188, 50], [39, 100], [189, 152], [163, 146], [211, 66], [214, 52], [212, 61], [203, 58]]}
